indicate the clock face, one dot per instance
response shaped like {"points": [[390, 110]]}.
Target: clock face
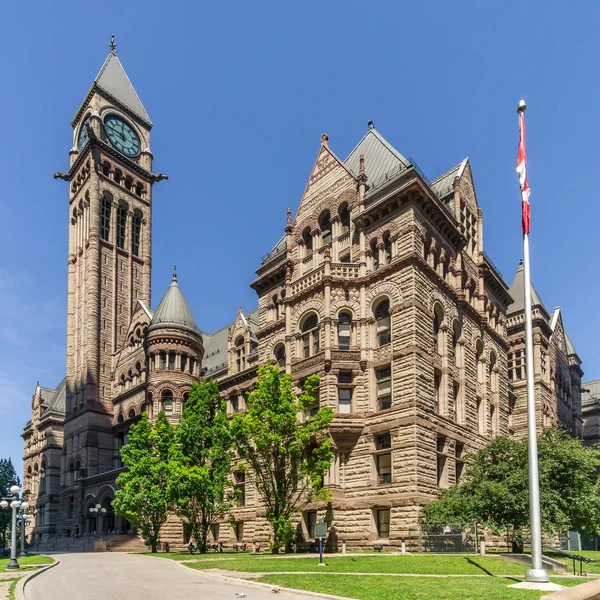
{"points": [[83, 138], [122, 136]]}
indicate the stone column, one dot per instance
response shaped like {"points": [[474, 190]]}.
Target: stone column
{"points": [[115, 277], [129, 247], [327, 295]]}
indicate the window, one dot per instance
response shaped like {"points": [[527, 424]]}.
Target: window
{"points": [[442, 471], [136, 227], [121, 225], [168, 403], [139, 188], [384, 387], [375, 254], [235, 404], [313, 409], [311, 521], [345, 377], [106, 169], [437, 382], [183, 362], [384, 468], [345, 394], [458, 412], [382, 318], [163, 361], [325, 225], [171, 361], [455, 337], [280, 355], [310, 335], [239, 532], [383, 441], [240, 487], [307, 238], [387, 246], [459, 463], [131, 413], [438, 318], [480, 416], [479, 359], [105, 219], [344, 331], [345, 218], [118, 175], [240, 354], [383, 523]]}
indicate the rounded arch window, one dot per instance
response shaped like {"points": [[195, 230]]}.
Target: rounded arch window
{"points": [[325, 226], [387, 246], [308, 242], [344, 213], [375, 253], [310, 335], [120, 418], [383, 321], [136, 228], [456, 333], [131, 413], [438, 319], [167, 401], [122, 211], [344, 330], [279, 355]]}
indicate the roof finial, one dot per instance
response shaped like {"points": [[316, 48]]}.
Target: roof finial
{"points": [[174, 273], [370, 124], [113, 46], [520, 262], [325, 140], [362, 163], [289, 216]]}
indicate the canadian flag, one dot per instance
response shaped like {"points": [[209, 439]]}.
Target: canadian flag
{"points": [[522, 171]]}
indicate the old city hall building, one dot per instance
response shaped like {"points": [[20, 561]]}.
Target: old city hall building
{"points": [[380, 284]]}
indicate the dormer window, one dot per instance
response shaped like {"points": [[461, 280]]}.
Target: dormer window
{"points": [[240, 354]]}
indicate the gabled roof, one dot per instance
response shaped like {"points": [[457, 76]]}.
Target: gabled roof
{"points": [[517, 291], [443, 185], [54, 400], [113, 80], [380, 156], [173, 310]]}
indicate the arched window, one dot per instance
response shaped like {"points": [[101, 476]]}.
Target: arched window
{"points": [[184, 362], [167, 401], [163, 360], [105, 218], [438, 319], [479, 359], [121, 224], [240, 353], [387, 243], [120, 418], [310, 335], [344, 218], [136, 228], [150, 405], [325, 226], [308, 244], [375, 254], [128, 182], [280, 355], [77, 470], [106, 169], [118, 175], [382, 318], [131, 413], [455, 337], [138, 189], [344, 331]]}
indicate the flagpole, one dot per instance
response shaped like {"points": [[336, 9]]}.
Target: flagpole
{"points": [[537, 573]]}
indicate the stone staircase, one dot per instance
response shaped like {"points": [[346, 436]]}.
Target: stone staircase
{"points": [[125, 543], [92, 543]]}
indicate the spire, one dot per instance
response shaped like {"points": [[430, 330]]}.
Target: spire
{"points": [[113, 81], [173, 310], [517, 291]]}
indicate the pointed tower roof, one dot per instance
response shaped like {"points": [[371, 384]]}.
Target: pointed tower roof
{"points": [[380, 156], [173, 310], [113, 80], [517, 291]]}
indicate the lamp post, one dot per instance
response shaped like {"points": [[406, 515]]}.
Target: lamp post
{"points": [[94, 510], [15, 503], [24, 521]]}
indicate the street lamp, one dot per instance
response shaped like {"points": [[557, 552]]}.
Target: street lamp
{"points": [[24, 518], [94, 510], [15, 503]]}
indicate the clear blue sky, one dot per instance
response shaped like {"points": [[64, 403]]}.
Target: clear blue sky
{"points": [[240, 93]]}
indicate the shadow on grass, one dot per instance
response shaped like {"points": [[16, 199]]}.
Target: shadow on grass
{"points": [[476, 564]]}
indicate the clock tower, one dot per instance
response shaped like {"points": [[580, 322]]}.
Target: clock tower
{"points": [[109, 261]]}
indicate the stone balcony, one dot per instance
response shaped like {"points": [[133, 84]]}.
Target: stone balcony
{"points": [[314, 277]]}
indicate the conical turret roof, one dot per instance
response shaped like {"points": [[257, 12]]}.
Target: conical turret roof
{"points": [[517, 291], [173, 310]]}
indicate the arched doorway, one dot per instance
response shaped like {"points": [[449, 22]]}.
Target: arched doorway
{"points": [[107, 523]]}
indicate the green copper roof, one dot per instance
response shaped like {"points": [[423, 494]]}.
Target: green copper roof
{"points": [[173, 310]]}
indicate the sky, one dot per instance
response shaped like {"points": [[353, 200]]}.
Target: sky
{"points": [[240, 93]]}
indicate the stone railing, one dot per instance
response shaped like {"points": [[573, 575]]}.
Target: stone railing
{"points": [[307, 280], [345, 270], [344, 242]]}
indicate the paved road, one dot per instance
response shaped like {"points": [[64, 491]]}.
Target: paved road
{"points": [[116, 576]]}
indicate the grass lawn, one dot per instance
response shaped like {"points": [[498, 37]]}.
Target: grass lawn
{"points": [[27, 561], [412, 564], [409, 588]]}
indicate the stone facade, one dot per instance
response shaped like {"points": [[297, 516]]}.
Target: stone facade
{"points": [[380, 284]]}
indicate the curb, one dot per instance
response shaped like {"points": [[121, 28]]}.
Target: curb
{"points": [[256, 584], [20, 589]]}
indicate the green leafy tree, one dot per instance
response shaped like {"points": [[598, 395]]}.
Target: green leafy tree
{"points": [[142, 495], [201, 464], [287, 457], [495, 487], [8, 478]]}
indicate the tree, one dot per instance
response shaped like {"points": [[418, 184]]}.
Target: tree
{"points": [[495, 487], [286, 456], [8, 478], [201, 463], [142, 495]]}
